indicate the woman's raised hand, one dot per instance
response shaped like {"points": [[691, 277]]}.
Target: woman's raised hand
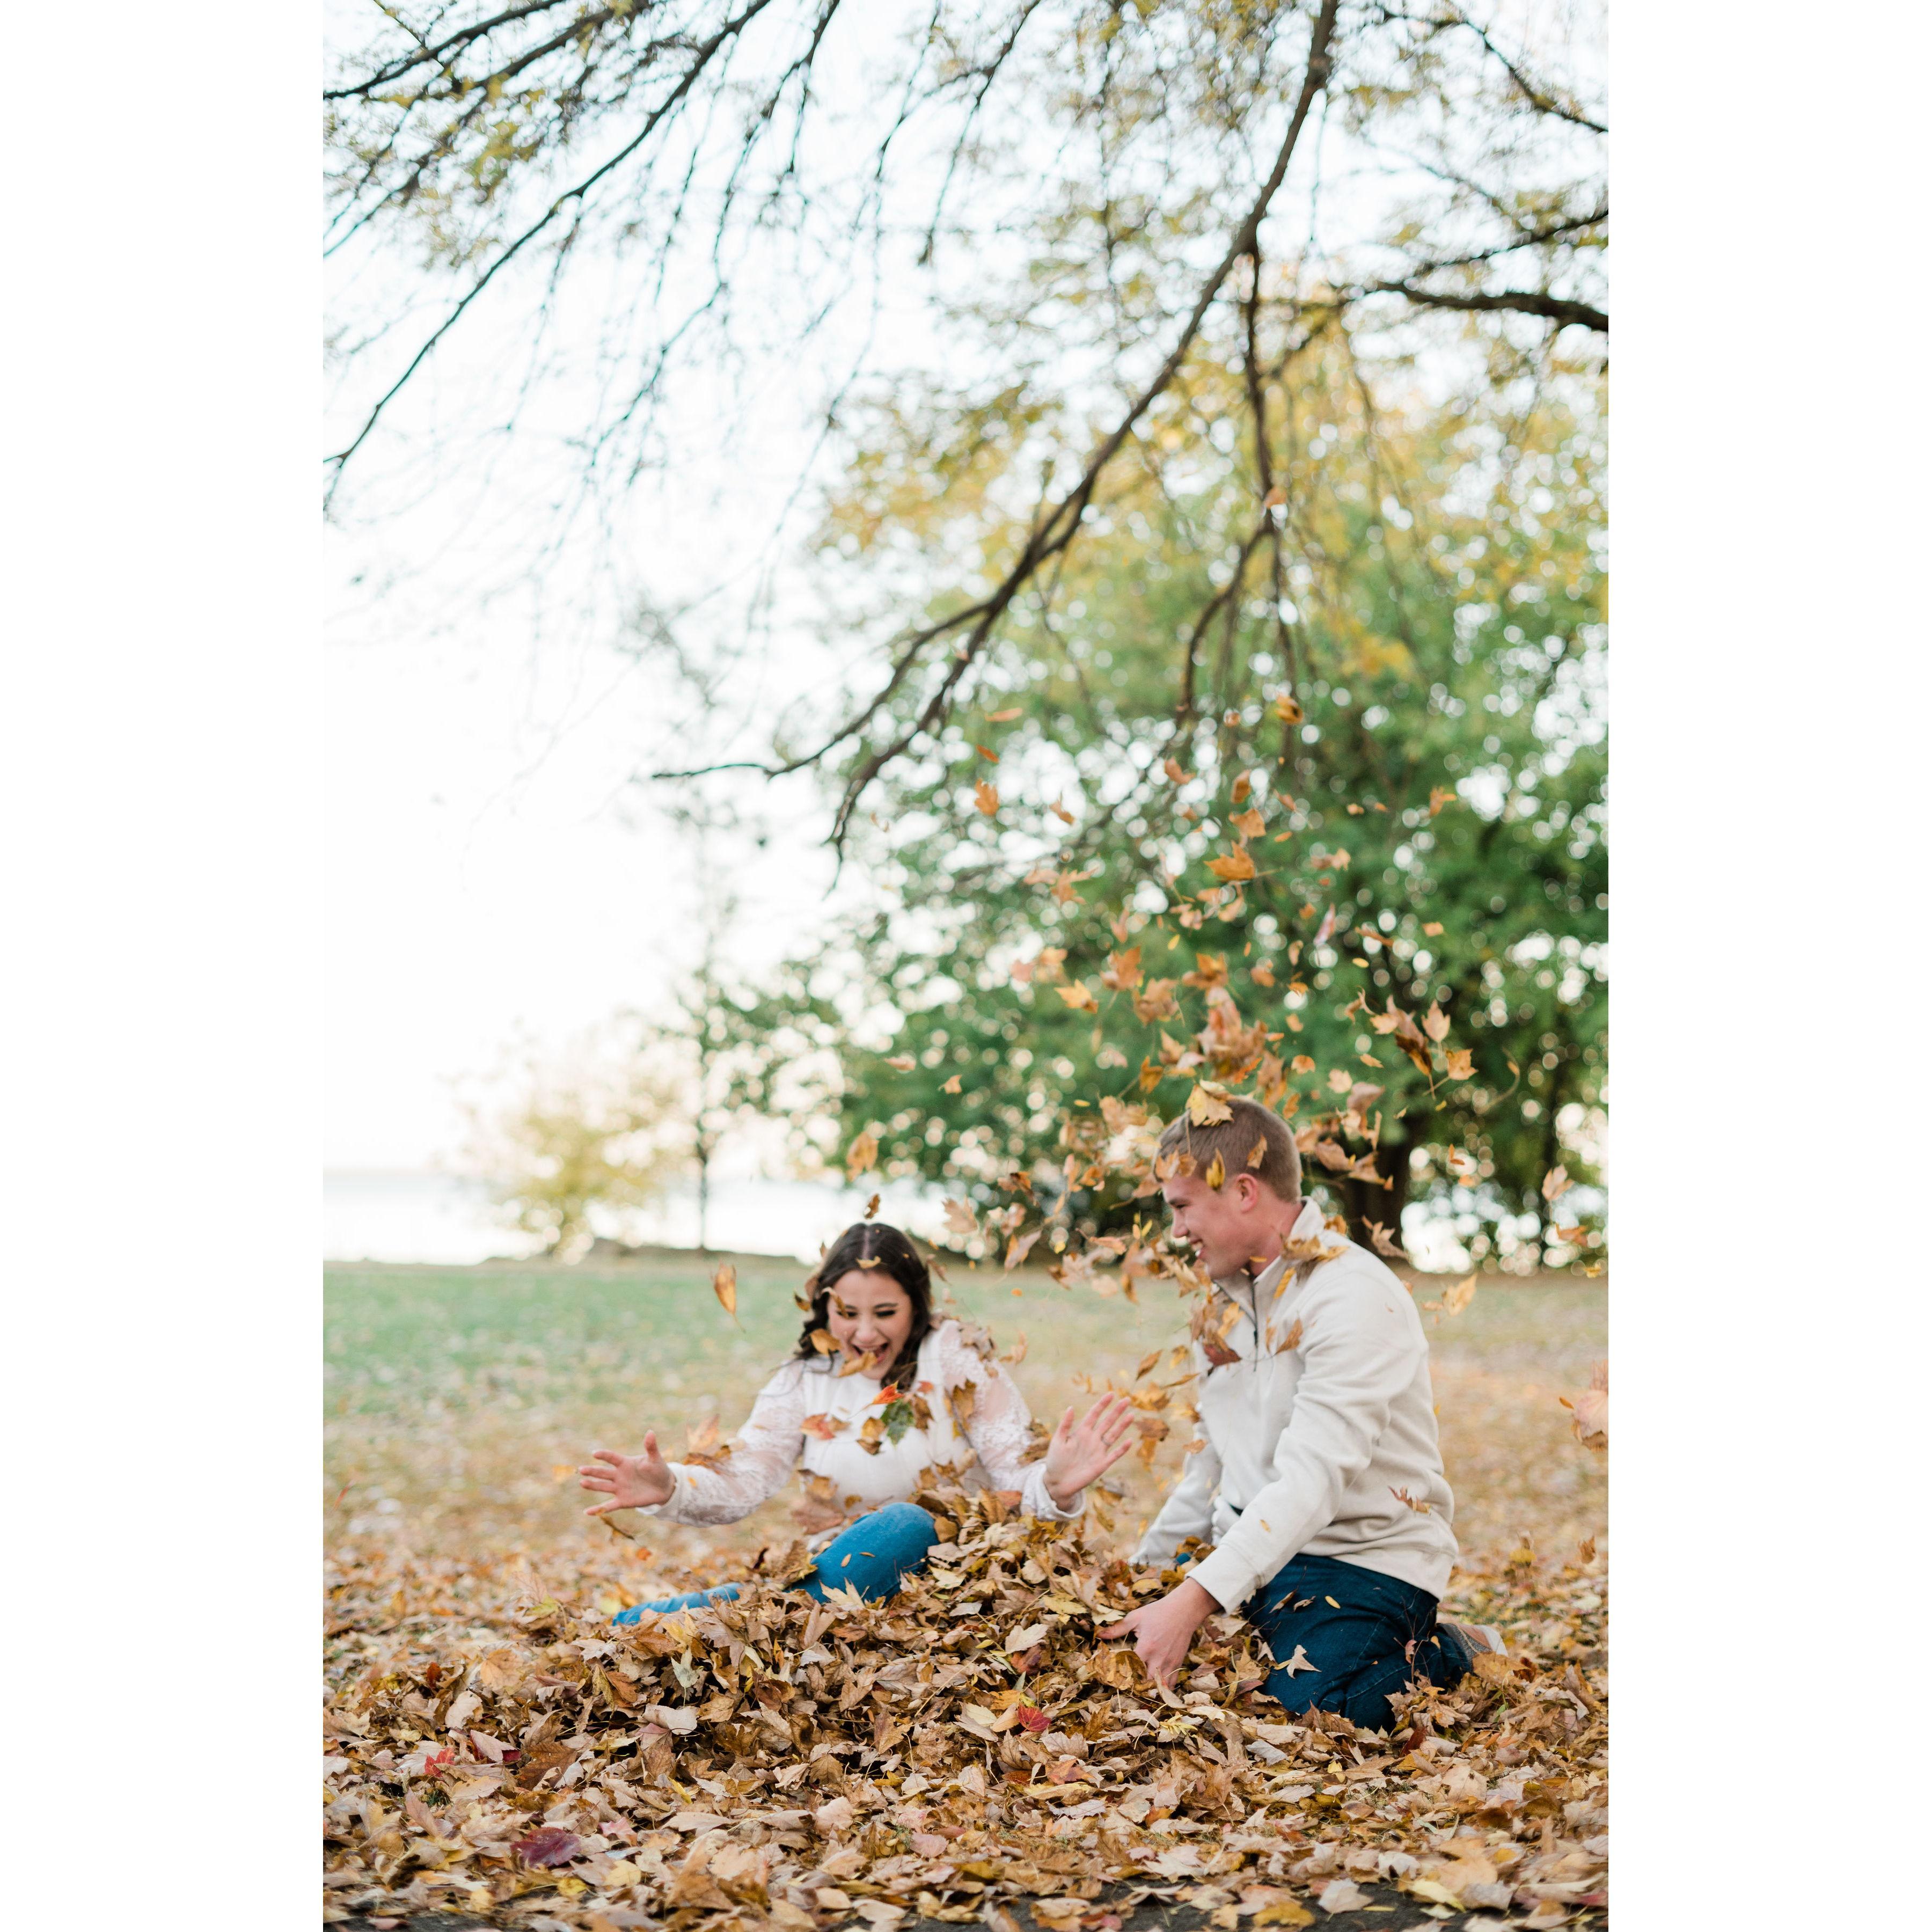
{"points": [[1080, 1451], [631, 1482]]}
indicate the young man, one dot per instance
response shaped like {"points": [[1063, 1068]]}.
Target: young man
{"points": [[1320, 1483]]}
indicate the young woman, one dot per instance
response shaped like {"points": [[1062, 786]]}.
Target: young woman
{"points": [[876, 1395]]}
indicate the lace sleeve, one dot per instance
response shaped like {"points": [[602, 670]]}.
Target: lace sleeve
{"points": [[763, 1454], [1001, 1428]]}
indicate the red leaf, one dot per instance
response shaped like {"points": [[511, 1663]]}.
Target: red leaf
{"points": [[551, 1846], [1033, 1717]]}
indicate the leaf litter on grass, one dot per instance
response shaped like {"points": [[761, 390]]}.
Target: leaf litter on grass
{"points": [[495, 1745]]}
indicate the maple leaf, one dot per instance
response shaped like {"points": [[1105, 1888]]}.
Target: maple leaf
{"points": [[1233, 866], [1435, 1024], [1079, 996], [1122, 971], [1459, 1061], [1210, 970], [1250, 824], [825, 1427], [960, 1220], [1384, 1243], [1555, 1182], [551, 1846], [861, 1155], [986, 798], [1155, 1001], [1206, 1105]]}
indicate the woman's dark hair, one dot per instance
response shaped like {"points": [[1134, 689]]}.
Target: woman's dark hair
{"points": [[864, 1246]]}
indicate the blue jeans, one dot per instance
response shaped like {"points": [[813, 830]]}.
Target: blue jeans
{"points": [[1366, 1634], [874, 1555]]}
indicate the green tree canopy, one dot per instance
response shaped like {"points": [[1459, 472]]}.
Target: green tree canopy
{"points": [[1384, 695]]}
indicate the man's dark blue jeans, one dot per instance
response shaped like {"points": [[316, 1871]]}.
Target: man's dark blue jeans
{"points": [[1361, 1635]]}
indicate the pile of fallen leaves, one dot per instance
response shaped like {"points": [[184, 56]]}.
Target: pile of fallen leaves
{"points": [[777, 1761]]}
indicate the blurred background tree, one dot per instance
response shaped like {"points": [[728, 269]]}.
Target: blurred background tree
{"points": [[595, 1132]]}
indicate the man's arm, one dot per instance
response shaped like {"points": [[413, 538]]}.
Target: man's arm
{"points": [[1188, 1511]]}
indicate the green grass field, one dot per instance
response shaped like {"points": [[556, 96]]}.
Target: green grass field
{"points": [[460, 1399]]}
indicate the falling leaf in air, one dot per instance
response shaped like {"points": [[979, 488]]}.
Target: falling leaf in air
{"points": [[861, 1155], [952, 1086], [1079, 996], [991, 756], [1384, 1243], [1435, 1024], [1207, 1105], [725, 1285], [1287, 709], [871, 1208], [1457, 1298], [1459, 1061], [1554, 1182], [1438, 798], [1233, 866], [1250, 824], [960, 1220], [825, 1427], [1432, 928], [1061, 812], [986, 798], [1005, 717], [901, 1063], [1172, 769], [1263, 974], [1017, 1248]]}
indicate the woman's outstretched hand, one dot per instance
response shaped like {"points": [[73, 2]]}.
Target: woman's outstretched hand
{"points": [[1080, 1451], [631, 1482]]}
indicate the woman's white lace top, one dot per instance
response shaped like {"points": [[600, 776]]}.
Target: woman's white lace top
{"points": [[963, 1411]]}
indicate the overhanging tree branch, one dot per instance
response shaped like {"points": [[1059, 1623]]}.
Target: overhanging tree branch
{"points": [[1520, 301], [1052, 533]]}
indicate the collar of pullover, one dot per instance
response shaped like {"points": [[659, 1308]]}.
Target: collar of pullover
{"points": [[1252, 1291]]}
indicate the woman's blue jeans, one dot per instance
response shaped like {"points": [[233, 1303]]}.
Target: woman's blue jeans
{"points": [[873, 1555], [1362, 1635]]}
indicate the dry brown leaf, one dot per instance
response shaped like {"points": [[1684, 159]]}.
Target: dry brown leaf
{"points": [[861, 1156]]}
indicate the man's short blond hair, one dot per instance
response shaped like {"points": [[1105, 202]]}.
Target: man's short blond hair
{"points": [[1252, 1140]]}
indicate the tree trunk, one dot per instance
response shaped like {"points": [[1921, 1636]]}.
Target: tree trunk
{"points": [[1362, 1201]]}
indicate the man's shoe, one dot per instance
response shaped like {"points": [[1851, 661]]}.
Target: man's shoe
{"points": [[1475, 1638]]}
